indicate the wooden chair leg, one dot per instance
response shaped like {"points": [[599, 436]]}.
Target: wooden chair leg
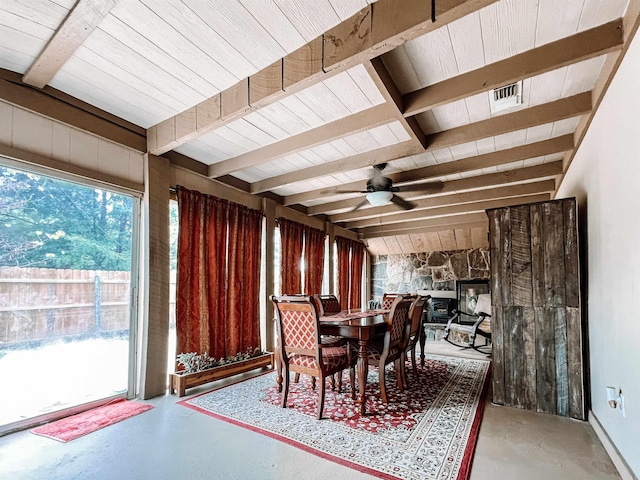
{"points": [[333, 382], [339, 374], [403, 370], [296, 379], [413, 360], [383, 388], [278, 370], [285, 386], [313, 383], [352, 378], [321, 397], [398, 367]]}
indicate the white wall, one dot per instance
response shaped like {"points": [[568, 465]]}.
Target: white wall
{"points": [[605, 177], [33, 133]]}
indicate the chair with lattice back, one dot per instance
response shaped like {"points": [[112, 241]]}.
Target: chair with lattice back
{"points": [[388, 299], [300, 348], [391, 347], [415, 314], [328, 305]]}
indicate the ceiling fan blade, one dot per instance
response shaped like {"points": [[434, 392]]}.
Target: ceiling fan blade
{"points": [[430, 187], [360, 205], [402, 203]]}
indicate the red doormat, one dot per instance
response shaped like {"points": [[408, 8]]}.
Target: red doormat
{"points": [[75, 426], [427, 432]]}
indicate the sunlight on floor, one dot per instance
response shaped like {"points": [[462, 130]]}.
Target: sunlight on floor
{"points": [[61, 375]]}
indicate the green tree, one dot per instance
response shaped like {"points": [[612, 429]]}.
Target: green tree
{"points": [[50, 223]]}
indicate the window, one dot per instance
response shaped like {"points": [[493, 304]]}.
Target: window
{"points": [[66, 277]]}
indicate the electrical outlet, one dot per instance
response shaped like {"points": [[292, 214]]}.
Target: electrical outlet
{"points": [[621, 404]]}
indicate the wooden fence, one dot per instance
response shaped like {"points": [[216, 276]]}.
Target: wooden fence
{"points": [[43, 303]]}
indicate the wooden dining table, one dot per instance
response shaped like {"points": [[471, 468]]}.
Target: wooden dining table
{"points": [[360, 326]]}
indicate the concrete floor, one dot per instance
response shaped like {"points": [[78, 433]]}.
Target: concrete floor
{"points": [[174, 442]]}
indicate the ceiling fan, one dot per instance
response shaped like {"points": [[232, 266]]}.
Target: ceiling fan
{"points": [[381, 191]]}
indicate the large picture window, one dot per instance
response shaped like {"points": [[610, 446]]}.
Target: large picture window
{"points": [[66, 276]]}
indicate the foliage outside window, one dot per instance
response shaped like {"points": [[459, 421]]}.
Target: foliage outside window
{"points": [[39, 225]]}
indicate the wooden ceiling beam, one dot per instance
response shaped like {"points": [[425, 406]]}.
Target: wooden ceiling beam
{"points": [[81, 21], [387, 87], [470, 183], [576, 48], [416, 214], [480, 225], [374, 213], [376, 29], [405, 149], [477, 225], [529, 117], [562, 109], [493, 159], [360, 160], [451, 221], [358, 122]]}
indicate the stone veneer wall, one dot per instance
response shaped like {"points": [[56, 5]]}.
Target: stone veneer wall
{"points": [[404, 273]]}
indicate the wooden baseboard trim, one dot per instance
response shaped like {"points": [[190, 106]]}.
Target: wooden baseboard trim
{"points": [[619, 462]]}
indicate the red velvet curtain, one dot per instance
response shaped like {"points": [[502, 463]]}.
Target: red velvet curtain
{"points": [[355, 267], [201, 269], [242, 328], [217, 290], [314, 241], [291, 235], [350, 258], [343, 246]]}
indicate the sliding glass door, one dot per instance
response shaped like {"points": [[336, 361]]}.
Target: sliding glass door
{"points": [[66, 277]]}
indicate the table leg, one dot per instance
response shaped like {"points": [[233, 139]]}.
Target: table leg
{"points": [[423, 340], [362, 369]]}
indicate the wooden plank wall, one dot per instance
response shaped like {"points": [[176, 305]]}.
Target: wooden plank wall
{"points": [[537, 331]]}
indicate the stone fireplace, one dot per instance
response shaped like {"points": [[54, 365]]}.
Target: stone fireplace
{"points": [[408, 273], [434, 272]]}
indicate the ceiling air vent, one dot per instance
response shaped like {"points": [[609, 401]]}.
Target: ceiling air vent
{"points": [[506, 96]]}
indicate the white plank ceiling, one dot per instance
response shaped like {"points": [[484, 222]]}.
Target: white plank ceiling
{"points": [[148, 61]]}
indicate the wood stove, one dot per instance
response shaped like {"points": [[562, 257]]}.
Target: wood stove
{"points": [[441, 309]]}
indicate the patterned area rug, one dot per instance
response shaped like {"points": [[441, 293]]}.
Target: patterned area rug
{"points": [[427, 432]]}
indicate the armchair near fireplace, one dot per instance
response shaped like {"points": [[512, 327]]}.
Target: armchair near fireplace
{"points": [[472, 325]]}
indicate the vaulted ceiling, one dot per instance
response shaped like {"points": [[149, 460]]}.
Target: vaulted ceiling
{"points": [[298, 99]]}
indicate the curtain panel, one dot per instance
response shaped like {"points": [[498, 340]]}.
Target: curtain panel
{"points": [[242, 328], [291, 236], [217, 286], [343, 246], [355, 267], [350, 258], [314, 242]]}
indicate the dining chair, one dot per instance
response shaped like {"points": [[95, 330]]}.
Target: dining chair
{"points": [[390, 348], [328, 304], [388, 299], [301, 349], [415, 314]]}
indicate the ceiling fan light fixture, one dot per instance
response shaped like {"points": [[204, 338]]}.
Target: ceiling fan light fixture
{"points": [[380, 198]]}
